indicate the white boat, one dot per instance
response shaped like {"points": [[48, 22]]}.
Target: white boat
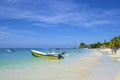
{"points": [[49, 55], [10, 50]]}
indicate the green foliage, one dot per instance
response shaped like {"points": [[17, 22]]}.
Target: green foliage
{"points": [[115, 42], [96, 45], [82, 45]]}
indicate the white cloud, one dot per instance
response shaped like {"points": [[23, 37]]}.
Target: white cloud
{"points": [[10, 33], [59, 12], [3, 33], [97, 22]]}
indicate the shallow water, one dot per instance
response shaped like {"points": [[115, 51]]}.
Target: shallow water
{"points": [[23, 56], [21, 65]]}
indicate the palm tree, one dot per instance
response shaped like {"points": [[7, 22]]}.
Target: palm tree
{"points": [[115, 42]]}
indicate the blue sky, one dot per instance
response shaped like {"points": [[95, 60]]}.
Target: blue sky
{"points": [[57, 23]]}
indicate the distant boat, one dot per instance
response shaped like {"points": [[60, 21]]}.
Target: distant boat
{"points": [[10, 50], [50, 55]]}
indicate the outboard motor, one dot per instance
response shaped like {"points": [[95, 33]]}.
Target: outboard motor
{"points": [[60, 56]]}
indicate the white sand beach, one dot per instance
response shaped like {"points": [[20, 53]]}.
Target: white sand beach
{"points": [[109, 67], [98, 65], [116, 57]]}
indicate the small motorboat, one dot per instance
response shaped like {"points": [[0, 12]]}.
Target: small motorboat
{"points": [[10, 50], [49, 55]]}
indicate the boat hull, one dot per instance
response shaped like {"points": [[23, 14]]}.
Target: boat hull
{"points": [[45, 56]]}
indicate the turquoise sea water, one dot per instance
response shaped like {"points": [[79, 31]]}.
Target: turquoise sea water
{"points": [[23, 57], [21, 65]]}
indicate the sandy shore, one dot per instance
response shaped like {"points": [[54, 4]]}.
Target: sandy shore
{"points": [[109, 67], [116, 58], [98, 65]]}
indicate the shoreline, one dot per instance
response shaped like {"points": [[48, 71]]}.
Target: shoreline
{"points": [[76, 68], [96, 65], [109, 67]]}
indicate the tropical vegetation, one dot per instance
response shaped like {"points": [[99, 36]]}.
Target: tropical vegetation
{"points": [[82, 45], [114, 42]]}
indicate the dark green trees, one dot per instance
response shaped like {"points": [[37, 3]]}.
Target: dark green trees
{"points": [[82, 45], [95, 45], [115, 42]]}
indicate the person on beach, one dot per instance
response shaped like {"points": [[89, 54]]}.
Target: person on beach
{"points": [[112, 51], [115, 50]]}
